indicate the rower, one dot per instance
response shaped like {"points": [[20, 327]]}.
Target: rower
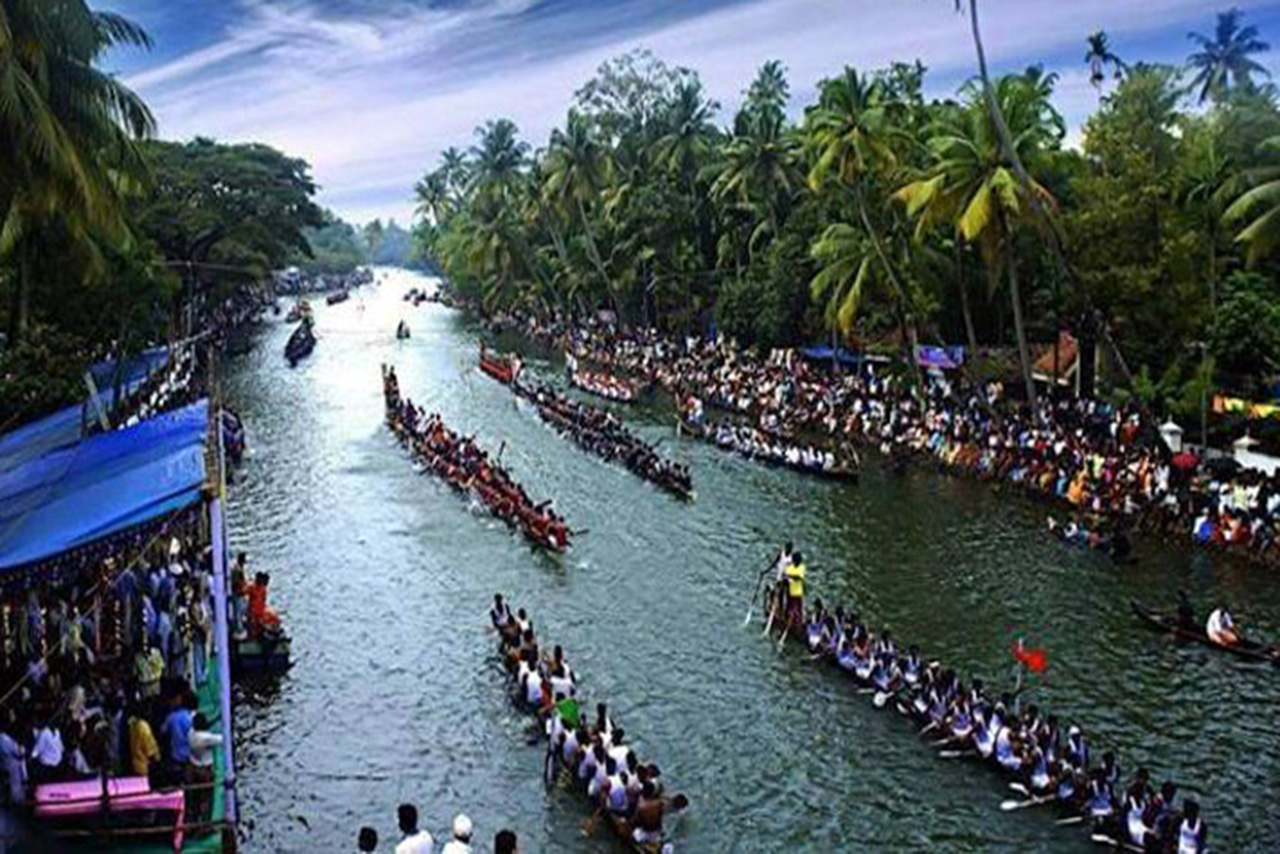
{"points": [[1191, 830], [1221, 628], [781, 564], [648, 816], [1077, 752], [499, 614], [1135, 807]]}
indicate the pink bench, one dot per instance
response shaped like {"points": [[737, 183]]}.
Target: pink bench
{"points": [[125, 794]]}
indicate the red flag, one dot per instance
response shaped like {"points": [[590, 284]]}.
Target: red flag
{"points": [[1035, 660]]}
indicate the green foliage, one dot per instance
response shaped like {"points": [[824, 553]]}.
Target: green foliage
{"points": [[1245, 336], [335, 246]]}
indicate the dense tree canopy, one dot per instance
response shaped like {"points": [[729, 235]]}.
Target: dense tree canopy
{"points": [[883, 218]]}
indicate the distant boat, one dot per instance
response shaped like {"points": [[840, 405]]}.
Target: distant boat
{"points": [[337, 297], [301, 343]]}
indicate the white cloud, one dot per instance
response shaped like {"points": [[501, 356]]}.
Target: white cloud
{"points": [[371, 102]]}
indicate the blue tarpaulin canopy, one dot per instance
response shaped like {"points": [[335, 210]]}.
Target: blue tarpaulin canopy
{"points": [[823, 353], [73, 495], [66, 425]]}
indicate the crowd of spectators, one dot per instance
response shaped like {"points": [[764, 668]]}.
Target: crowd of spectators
{"points": [[1101, 459], [106, 652]]}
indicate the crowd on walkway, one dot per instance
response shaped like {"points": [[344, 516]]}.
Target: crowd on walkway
{"points": [[467, 467], [1100, 458], [105, 652]]}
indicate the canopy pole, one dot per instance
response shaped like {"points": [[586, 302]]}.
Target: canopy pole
{"points": [[218, 523]]}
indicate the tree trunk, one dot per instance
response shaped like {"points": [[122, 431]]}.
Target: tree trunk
{"points": [[1020, 330], [970, 335], [22, 298], [908, 335], [594, 252], [1056, 242], [1213, 268]]}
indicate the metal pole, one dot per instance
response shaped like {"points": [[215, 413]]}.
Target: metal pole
{"points": [[218, 523]]}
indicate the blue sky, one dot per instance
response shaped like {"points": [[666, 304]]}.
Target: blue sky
{"points": [[370, 91]]}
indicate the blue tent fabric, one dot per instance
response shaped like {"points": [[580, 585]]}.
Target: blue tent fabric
{"points": [[823, 352], [105, 484], [66, 426]]}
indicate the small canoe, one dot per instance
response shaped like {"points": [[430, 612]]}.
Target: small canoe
{"points": [[262, 657], [1246, 649]]}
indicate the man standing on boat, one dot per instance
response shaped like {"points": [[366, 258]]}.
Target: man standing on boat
{"points": [[795, 574]]}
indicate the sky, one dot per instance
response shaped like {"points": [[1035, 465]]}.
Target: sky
{"points": [[371, 91]]}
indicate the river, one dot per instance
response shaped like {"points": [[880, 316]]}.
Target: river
{"points": [[384, 577]]}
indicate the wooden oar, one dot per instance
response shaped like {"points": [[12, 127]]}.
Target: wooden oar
{"points": [[752, 604], [1069, 820], [1010, 806]]}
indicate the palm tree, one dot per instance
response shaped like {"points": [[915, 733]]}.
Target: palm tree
{"points": [[500, 157], [848, 264], [1099, 57], [432, 193], [849, 132], [761, 169], [1040, 213], [689, 133], [576, 170], [456, 171], [1258, 207], [767, 98], [972, 184], [1204, 184], [1224, 60], [67, 129]]}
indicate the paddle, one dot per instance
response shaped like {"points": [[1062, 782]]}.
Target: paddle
{"points": [[955, 754], [1071, 819], [1010, 806], [752, 604]]}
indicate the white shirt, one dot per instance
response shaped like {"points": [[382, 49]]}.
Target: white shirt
{"points": [[420, 843], [48, 748], [202, 744], [453, 846]]}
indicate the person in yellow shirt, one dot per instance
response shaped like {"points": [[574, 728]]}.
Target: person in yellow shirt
{"points": [[143, 749], [795, 576]]}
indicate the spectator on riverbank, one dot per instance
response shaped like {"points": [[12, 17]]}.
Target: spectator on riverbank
{"points": [[1100, 457], [412, 840], [505, 842]]}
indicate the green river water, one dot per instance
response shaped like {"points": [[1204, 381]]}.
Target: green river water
{"points": [[384, 577]]}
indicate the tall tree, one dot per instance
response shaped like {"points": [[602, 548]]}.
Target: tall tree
{"points": [[576, 169], [972, 184], [1099, 57], [500, 157], [1225, 60], [1258, 207], [849, 132], [67, 129]]}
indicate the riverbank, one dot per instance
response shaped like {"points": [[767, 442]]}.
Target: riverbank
{"points": [[1097, 461]]}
